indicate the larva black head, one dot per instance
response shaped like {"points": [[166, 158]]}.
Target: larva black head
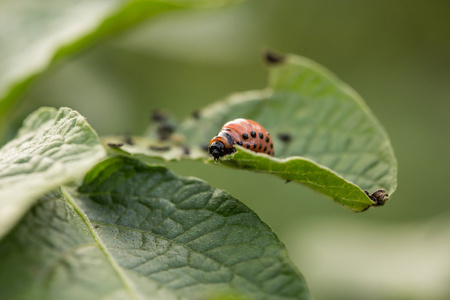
{"points": [[217, 149]]}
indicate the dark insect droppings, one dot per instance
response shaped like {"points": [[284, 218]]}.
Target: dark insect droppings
{"points": [[245, 136], [273, 58], [158, 115], [112, 145], [379, 197], [128, 139], [186, 150], [160, 149], [204, 147], [253, 134], [285, 137], [196, 114], [164, 131]]}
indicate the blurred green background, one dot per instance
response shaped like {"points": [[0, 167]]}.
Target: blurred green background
{"points": [[396, 54]]}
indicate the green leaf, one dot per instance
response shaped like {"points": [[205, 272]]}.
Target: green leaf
{"points": [[335, 145], [133, 231], [55, 253], [34, 34], [305, 171], [143, 148], [53, 147]]}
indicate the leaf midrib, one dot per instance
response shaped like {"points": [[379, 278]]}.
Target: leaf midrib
{"points": [[180, 245], [122, 276], [172, 242]]}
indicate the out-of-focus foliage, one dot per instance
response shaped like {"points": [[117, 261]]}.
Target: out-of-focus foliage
{"points": [[34, 34], [394, 54]]}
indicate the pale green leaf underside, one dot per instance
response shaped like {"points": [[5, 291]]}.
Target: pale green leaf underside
{"points": [[34, 34], [52, 147], [143, 148], [305, 171], [331, 130], [134, 230]]}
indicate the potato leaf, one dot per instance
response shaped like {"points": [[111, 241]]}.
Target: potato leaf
{"points": [[134, 231], [53, 147], [324, 134]]}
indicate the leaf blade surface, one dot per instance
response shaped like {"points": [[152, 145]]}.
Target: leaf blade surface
{"points": [[53, 147]]}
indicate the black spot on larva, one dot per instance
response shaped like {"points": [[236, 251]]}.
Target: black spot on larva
{"points": [[260, 146], [160, 149], [267, 139], [271, 145], [268, 153], [265, 148], [239, 143], [116, 146], [273, 58], [248, 146], [261, 136], [285, 137], [245, 136], [253, 134], [254, 146]]}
